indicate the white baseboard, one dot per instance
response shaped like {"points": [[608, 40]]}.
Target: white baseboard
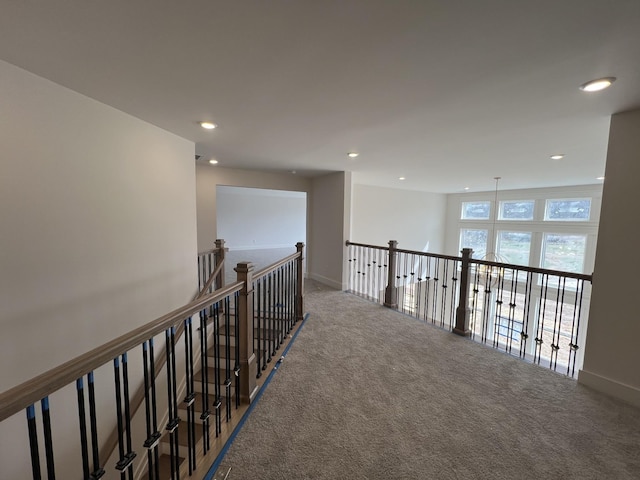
{"points": [[325, 280], [611, 387]]}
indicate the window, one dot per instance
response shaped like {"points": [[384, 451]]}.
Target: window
{"points": [[571, 210], [475, 239], [519, 210], [514, 247], [476, 210], [564, 252]]}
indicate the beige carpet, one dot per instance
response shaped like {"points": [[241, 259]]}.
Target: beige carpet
{"points": [[368, 393]]}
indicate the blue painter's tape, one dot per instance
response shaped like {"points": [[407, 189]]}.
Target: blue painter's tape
{"points": [[45, 403], [227, 445], [31, 412]]}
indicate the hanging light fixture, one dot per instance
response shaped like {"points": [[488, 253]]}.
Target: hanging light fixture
{"points": [[491, 273]]}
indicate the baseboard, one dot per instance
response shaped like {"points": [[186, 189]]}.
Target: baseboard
{"points": [[611, 387], [325, 280]]}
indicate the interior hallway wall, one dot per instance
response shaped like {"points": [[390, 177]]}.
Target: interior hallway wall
{"points": [[98, 236], [330, 214], [612, 356], [208, 177], [415, 219]]}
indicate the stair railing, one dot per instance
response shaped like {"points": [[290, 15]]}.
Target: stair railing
{"points": [[534, 313], [44, 395]]}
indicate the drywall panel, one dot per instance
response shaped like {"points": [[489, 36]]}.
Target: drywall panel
{"points": [[208, 177], [330, 214], [612, 355], [98, 235], [415, 219], [254, 218]]}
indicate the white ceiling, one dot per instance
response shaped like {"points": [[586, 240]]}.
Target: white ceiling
{"points": [[448, 94]]}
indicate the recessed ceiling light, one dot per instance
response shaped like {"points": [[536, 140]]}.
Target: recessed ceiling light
{"points": [[598, 84], [599, 178], [213, 161], [352, 154], [466, 188], [402, 178], [557, 156], [293, 172], [208, 125]]}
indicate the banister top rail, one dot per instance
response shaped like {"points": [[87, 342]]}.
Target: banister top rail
{"points": [[29, 392], [212, 277], [400, 250], [274, 266], [378, 247], [543, 271], [429, 254]]}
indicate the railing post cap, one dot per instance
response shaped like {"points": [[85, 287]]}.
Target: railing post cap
{"points": [[299, 245], [393, 242], [244, 267]]}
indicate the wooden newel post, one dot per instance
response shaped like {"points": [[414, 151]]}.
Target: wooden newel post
{"points": [[391, 292], [300, 283], [244, 337], [220, 254], [463, 311]]}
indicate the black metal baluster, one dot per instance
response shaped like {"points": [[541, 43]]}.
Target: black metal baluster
{"points": [[48, 442], [154, 412], [453, 294], [174, 420], [121, 460], [216, 368], [236, 356], [33, 442], [513, 288], [544, 285], [227, 336], [204, 378], [443, 306], [526, 311], [557, 324], [98, 471], [258, 327], [265, 347], [84, 447], [190, 395], [124, 463], [271, 309], [497, 323], [436, 273], [473, 321], [575, 327], [153, 436]]}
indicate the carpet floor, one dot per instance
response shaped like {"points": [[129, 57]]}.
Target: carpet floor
{"points": [[368, 393]]}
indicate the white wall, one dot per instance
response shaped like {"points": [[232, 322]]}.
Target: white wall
{"points": [[254, 218], [208, 177], [415, 219], [330, 214], [612, 355], [98, 234]]}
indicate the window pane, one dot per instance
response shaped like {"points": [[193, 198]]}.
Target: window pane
{"points": [[514, 247], [476, 239], [564, 252], [521, 210], [568, 210], [476, 210]]}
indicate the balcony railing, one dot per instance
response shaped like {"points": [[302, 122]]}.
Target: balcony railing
{"points": [[533, 313], [208, 369]]}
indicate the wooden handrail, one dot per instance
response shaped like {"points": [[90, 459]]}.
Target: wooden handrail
{"points": [[524, 268], [21, 396], [558, 273], [211, 279], [274, 266]]}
